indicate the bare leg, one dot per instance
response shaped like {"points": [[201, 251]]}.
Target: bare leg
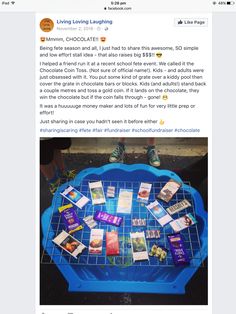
{"points": [[151, 141], [121, 140], [48, 171], [58, 160]]}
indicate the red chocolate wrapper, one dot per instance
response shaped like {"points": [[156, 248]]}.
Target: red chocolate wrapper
{"points": [[112, 243]]}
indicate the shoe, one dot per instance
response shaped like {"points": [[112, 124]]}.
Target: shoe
{"points": [[53, 186], [118, 154], [67, 175], [153, 157]]}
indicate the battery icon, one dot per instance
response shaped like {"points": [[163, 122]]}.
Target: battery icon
{"points": [[230, 2]]}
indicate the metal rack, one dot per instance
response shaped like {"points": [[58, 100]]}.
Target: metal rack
{"points": [[56, 225]]}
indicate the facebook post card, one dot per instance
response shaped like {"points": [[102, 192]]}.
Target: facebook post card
{"points": [[117, 123], [123, 115], [132, 75]]}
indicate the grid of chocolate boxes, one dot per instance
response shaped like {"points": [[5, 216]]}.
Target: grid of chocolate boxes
{"points": [[124, 206]]}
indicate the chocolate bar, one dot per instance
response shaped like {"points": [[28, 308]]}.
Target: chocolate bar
{"points": [[139, 246], [69, 244], [70, 218], [112, 243], [183, 222], [137, 222], [144, 192], [159, 213], [111, 191], [95, 242], [75, 197], [178, 207], [90, 222], [169, 190], [108, 218], [153, 234], [125, 201], [177, 249], [97, 194], [159, 251]]}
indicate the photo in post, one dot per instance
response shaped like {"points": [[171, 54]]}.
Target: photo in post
{"points": [[130, 251]]}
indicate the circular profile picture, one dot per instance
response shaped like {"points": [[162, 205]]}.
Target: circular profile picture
{"points": [[46, 25]]}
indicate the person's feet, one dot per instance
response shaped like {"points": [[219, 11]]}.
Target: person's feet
{"points": [[153, 157], [118, 153]]}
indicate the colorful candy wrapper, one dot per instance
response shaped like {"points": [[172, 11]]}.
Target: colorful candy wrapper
{"points": [[183, 222], [138, 222], [75, 197], [169, 190], [177, 249], [95, 242], [153, 234], [70, 218], [178, 207], [111, 191], [125, 201], [97, 193], [90, 222], [144, 192], [69, 244], [139, 246], [159, 213], [108, 218], [158, 251], [112, 243]]}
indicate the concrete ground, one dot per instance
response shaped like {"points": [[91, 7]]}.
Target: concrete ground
{"points": [[186, 157]]}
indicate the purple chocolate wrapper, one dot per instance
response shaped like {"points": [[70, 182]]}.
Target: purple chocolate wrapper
{"points": [[177, 249], [71, 220], [108, 218]]}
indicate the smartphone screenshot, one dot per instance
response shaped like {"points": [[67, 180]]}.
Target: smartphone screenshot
{"points": [[116, 118]]}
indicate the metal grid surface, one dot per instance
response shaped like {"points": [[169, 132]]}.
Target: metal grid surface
{"points": [[190, 235]]}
